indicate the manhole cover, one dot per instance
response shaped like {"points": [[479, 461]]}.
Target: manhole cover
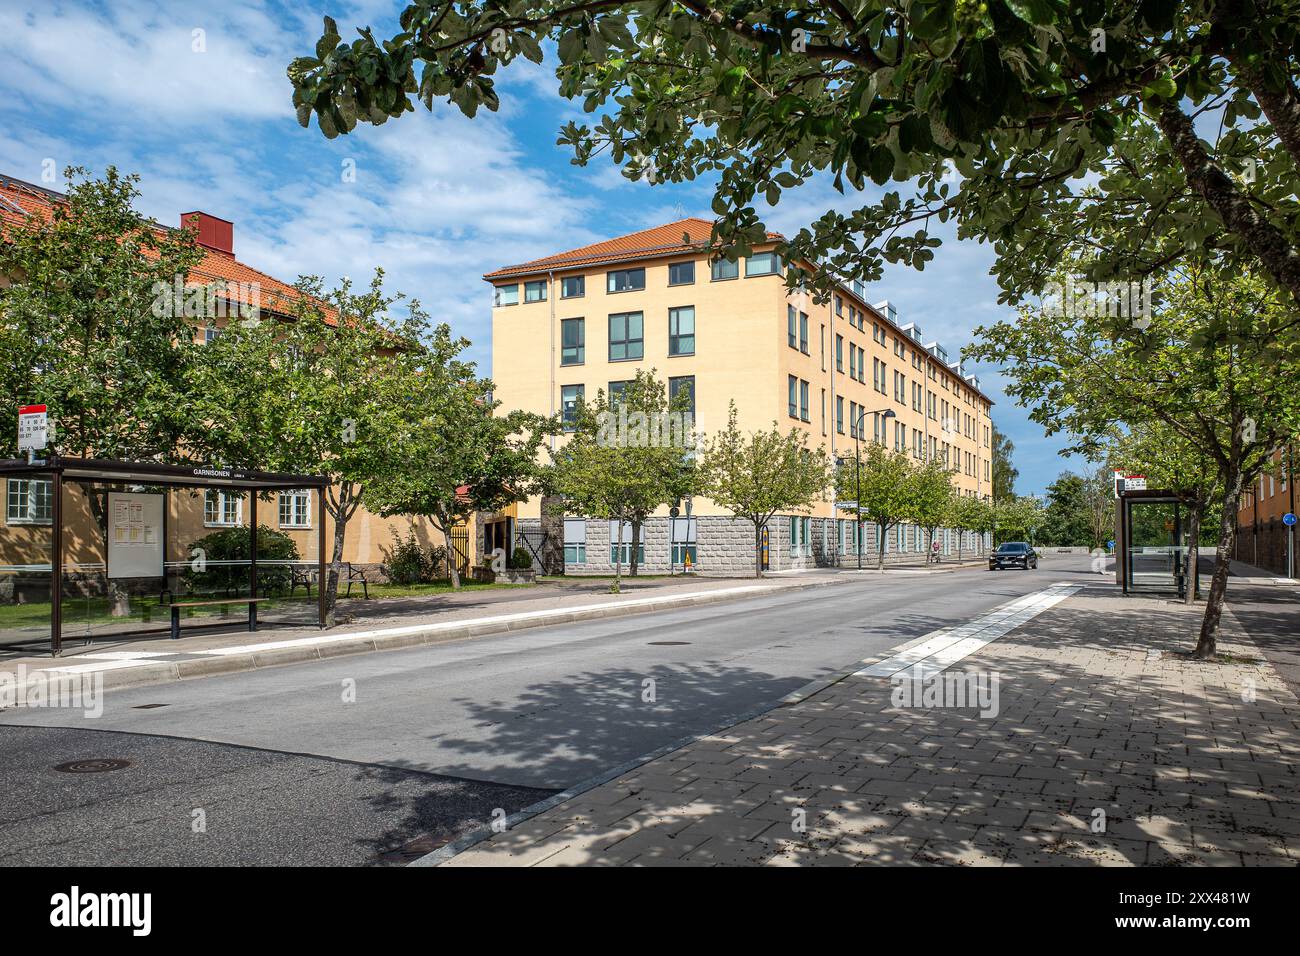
{"points": [[667, 643], [93, 765], [148, 706]]}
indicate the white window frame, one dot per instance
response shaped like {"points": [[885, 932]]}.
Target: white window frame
{"points": [[221, 507], [302, 520], [575, 537], [627, 543], [27, 498]]}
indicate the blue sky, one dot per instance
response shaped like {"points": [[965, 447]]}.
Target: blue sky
{"points": [[437, 200]]}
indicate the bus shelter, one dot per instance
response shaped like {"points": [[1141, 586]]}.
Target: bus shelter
{"points": [[1152, 553], [107, 549]]}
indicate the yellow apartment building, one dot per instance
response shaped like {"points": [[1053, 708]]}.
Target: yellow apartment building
{"points": [[568, 325]]}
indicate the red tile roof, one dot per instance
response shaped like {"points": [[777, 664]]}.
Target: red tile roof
{"points": [[20, 202], [680, 236]]}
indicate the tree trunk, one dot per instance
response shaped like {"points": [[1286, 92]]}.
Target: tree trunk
{"points": [[1205, 177], [618, 560], [960, 535], [1207, 643], [758, 550], [1193, 553], [341, 513], [453, 572], [636, 540], [880, 547]]}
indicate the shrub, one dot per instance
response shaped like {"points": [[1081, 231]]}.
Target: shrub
{"points": [[232, 544], [409, 562], [521, 559]]}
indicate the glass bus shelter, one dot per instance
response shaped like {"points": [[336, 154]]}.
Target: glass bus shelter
{"points": [[107, 550], [1152, 546]]}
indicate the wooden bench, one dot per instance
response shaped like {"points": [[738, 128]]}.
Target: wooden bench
{"points": [[176, 606]]}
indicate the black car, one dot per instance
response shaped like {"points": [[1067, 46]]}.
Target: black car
{"points": [[1013, 554]]}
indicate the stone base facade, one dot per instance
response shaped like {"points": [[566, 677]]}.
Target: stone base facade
{"points": [[725, 545]]}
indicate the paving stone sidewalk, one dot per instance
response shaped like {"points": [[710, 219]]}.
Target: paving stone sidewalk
{"points": [[1101, 717]]}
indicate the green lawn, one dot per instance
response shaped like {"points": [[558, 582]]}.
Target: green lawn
{"points": [[80, 611]]}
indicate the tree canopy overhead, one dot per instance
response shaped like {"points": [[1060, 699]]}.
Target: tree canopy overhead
{"points": [[1033, 124]]}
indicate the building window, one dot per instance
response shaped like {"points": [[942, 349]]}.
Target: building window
{"points": [[762, 264], [221, 510], [793, 384], [800, 537], [725, 269], [535, 291], [681, 273], [803, 401], [839, 414], [575, 540], [574, 287], [30, 501], [616, 390], [507, 295], [803, 333], [683, 532], [295, 509], [573, 341], [684, 383], [681, 330], [626, 280], [854, 420], [626, 556], [570, 396], [839, 353], [839, 305], [791, 327], [626, 336], [210, 334]]}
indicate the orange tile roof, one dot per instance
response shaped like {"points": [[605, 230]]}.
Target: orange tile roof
{"points": [[21, 201], [680, 236]]}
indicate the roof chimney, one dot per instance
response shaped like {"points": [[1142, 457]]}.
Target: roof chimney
{"points": [[214, 233]]}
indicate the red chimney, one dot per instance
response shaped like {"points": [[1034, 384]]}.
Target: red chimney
{"points": [[218, 234]]}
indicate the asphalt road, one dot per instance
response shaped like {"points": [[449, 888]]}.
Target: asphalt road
{"points": [[288, 770]]}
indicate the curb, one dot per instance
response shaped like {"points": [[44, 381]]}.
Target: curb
{"points": [[413, 636]]}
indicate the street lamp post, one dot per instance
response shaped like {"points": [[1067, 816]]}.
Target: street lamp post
{"points": [[857, 470]]}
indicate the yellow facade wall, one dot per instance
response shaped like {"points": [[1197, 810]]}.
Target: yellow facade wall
{"points": [[741, 354]]}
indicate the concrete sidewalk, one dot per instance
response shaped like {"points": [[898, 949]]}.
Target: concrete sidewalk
{"points": [[1107, 746], [387, 624]]}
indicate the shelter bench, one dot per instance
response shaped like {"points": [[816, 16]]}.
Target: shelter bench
{"points": [[176, 606]]}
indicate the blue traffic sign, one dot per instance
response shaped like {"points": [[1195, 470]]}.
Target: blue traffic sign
{"points": [[1288, 518], [1111, 544]]}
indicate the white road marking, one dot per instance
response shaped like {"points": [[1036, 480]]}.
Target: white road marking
{"points": [[948, 646]]}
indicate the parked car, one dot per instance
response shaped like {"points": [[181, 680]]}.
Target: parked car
{"points": [[1013, 554]]}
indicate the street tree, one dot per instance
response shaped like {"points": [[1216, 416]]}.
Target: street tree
{"points": [[85, 331], [757, 474], [331, 375], [1004, 472], [1007, 117], [932, 496], [624, 459], [884, 483], [1214, 363], [1065, 521], [968, 513], [455, 452]]}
